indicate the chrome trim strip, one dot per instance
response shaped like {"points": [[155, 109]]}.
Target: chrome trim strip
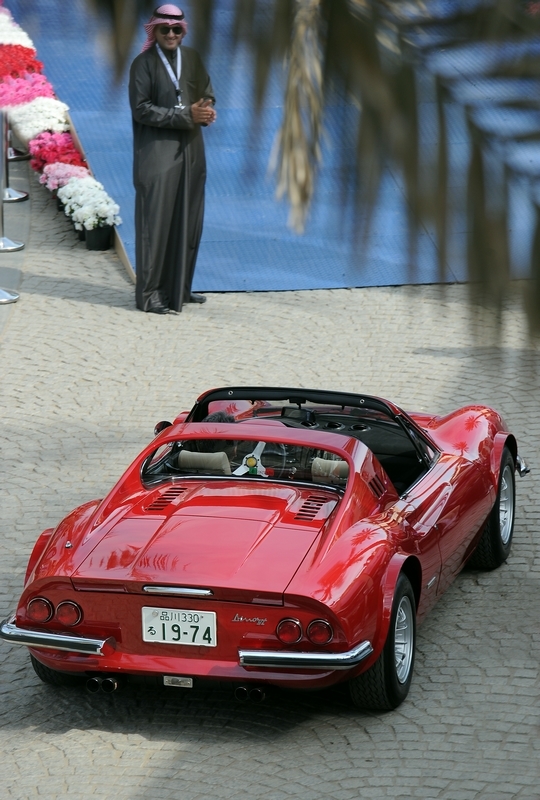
{"points": [[53, 641], [291, 660], [282, 481], [522, 466], [178, 590]]}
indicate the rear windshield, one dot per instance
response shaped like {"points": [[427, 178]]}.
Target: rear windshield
{"points": [[246, 459]]}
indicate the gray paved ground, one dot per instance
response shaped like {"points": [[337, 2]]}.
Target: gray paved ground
{"points": [[85, 377]]}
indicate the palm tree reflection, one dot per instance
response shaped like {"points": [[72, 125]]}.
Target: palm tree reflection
{"points": [[475, 65]]}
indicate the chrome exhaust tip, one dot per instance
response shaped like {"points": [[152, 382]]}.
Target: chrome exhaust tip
{"points": [[241, 693], [93, 685], [109, 685], [257, 695]]}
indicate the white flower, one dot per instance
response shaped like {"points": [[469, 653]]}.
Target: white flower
{"points": [[87, 203], [41, 114], [11, 33]]}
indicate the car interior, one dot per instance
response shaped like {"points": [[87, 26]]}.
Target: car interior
{"points": [[386, 438], [403, 456], [401, 453], [247, 459]]}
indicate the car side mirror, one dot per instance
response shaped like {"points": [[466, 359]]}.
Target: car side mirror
{"points": [[161, 426]]}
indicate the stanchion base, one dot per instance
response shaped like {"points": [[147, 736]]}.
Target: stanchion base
{"points": [[17, 155], [8, 296], [8, 246], [14, 196]]}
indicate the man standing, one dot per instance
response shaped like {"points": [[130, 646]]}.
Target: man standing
{"points": [[171, 97]]}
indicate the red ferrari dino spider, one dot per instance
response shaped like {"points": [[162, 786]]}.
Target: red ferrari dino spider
{"points": [[272, 536]]}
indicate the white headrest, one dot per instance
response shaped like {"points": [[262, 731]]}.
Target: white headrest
{"points": [[218, 463], [325, 471]]}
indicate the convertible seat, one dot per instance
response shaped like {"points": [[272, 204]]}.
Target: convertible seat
{"points": [[325, 471], [215, 463]]}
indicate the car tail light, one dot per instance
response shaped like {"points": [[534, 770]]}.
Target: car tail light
{"points": [[68, 613], [320, 632], [289, 631], [39, 610]]}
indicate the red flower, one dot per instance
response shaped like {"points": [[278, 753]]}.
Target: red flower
{"points": [[52, 148], [16, 60]]}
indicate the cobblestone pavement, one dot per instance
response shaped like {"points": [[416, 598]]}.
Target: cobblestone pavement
{"points": [[84, 379]]}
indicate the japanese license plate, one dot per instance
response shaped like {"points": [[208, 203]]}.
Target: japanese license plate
{"points": [[179, 626]]}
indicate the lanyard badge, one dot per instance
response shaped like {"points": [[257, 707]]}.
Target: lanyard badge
{"points": [[174, 78]]}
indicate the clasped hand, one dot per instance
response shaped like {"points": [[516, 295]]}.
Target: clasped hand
{"points": [[203, 113]]}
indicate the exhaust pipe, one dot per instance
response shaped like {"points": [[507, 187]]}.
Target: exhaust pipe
{"points": [[105, 685], [93, 685], [256, 695], [241, 693]]}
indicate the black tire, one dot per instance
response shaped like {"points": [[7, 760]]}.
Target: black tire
{"points": [[53, 677], [385, 685], [495, 543]]}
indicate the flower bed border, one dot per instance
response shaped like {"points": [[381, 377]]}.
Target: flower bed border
{"points": [[20, 56]]}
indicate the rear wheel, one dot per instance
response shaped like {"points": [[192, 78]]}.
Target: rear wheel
{"points": [[495, 542], [53, 677], [386, 684]]}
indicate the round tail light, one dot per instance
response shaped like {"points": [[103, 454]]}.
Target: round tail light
{"points": [[289, 631], [320, 632], [68, 613], [39, 610]]}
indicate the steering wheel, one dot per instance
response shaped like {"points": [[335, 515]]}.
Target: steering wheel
{"points": [[275, 456], [252, 463]]}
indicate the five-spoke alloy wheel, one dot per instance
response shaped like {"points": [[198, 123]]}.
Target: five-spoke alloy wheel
{"points": [[494, 545], [385, 685]]}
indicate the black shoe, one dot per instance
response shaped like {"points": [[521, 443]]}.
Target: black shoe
{"points": [[158, 310], [197, 298]]}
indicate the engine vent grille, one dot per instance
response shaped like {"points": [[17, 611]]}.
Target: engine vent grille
{"points": [[166, 498], [311, 507], [377, 487]]}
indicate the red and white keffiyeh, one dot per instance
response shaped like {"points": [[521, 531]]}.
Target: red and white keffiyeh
{"points": [[164, 15]]}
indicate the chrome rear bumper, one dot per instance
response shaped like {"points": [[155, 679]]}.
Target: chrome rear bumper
{"points": [[522, 467], [247, 658], [288, 660], [53, 641]]}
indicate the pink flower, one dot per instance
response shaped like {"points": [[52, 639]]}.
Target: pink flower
{"points": [[14, 91], [56, 175]]}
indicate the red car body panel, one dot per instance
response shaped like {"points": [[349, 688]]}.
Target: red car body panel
{"points": [[250, 545]]}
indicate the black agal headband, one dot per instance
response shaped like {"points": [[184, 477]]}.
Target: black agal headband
{"points": [[176, 17]]}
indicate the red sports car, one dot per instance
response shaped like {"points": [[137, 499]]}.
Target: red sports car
{"points": [[272, 536]]}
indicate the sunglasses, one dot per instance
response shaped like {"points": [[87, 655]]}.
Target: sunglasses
{"points": [[165, 29]]}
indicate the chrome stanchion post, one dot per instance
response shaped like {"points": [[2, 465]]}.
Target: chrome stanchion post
{"points": [[10, 195], [8, 296], [6, 245], [13, 154]]}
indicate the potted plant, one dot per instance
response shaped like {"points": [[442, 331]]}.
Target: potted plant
{"points": [[90, 208]]}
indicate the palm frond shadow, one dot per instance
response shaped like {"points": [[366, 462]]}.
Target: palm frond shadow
{"points": [[385, 58]]}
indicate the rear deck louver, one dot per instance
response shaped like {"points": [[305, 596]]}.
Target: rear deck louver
{"points": [[377, 487], [166, 498], [311, 507]]}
